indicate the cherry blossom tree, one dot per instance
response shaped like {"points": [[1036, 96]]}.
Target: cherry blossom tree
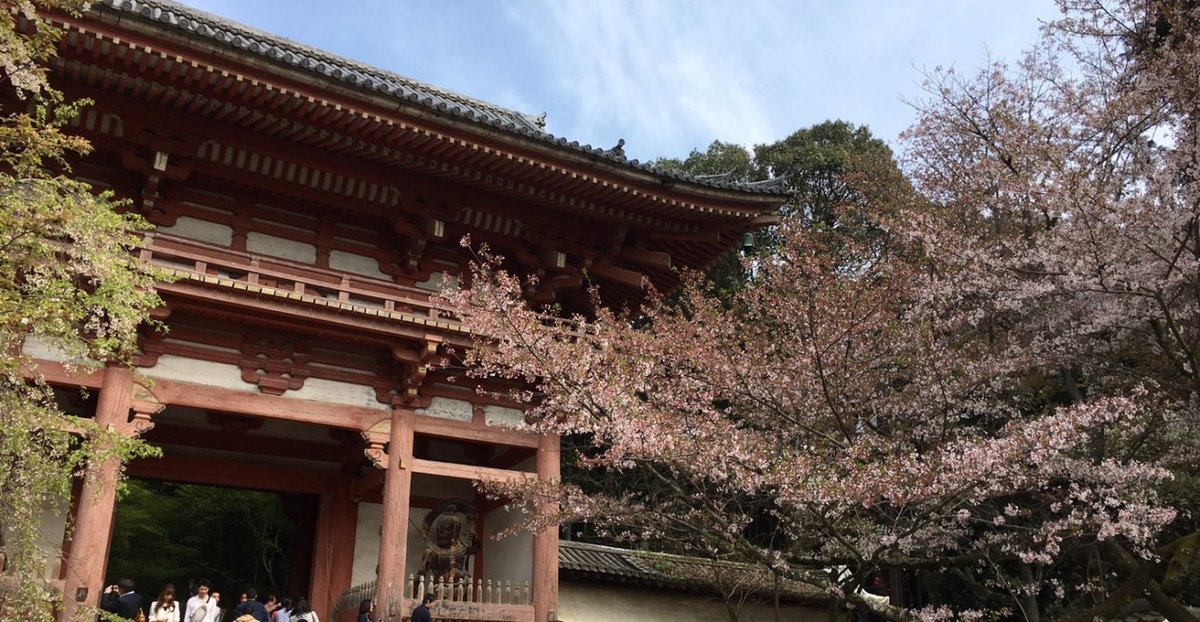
{"points": [[1000, 386]]}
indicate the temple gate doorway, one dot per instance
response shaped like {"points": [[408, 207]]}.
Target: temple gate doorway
{"points": [[170, 532]]}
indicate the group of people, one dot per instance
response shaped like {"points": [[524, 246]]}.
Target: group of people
{"points": [[204, 606]]}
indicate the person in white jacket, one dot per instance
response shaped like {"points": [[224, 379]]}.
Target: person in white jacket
{"points": [[165, 609], [203, 606]]}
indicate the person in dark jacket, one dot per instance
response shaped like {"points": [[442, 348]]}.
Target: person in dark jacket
{"points": [[121, 599], [421, 613], [364, 610], [252, 607]]}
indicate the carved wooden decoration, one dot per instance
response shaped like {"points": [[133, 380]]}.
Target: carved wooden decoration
{"points": [[276, 363], [145, 406], [152, 346], [375, 441]]}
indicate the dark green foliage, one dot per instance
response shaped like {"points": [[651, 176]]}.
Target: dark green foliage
{"points": [[821, 165], [840, 177], [724, 159], [179, 533]]}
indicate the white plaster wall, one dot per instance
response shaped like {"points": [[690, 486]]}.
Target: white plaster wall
{"points": [[447, 408], [175, 367], [594, 602], [338, 392], [53, 528], [202, 230], [416, 543], [505, 416], [510, 558], [370, 520], [438, 281], [274, 246], [358, 264], [40, 347], [228, 376], [366, 542]]}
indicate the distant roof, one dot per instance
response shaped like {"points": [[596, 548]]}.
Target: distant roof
{"points": [[322, 64], [1140, 610], [595, 561]]}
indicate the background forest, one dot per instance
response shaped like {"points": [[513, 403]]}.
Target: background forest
{"points": [[180, 533]]}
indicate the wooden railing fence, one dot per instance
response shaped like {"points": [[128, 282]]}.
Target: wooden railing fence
{"points": [[477, 591]]}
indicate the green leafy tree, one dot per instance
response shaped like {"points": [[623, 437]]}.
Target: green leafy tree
{"points": [[726, 160], [68, 278], [844, 183], [826, 166], [841, 179]]}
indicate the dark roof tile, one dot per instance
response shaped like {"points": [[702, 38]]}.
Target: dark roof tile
{"points": [[678, 571]]}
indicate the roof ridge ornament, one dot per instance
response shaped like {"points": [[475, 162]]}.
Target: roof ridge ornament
{"points": [[618, 150]]}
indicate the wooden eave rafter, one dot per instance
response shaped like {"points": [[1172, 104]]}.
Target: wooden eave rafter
{"points": [[493, 175], [368, 118], [220, 167], [544, 233]]}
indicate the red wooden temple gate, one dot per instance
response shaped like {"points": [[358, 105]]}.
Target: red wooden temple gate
{"points": [[309, 206]]}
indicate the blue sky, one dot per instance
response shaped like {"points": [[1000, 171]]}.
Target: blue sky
{"points": [[666, 75]]}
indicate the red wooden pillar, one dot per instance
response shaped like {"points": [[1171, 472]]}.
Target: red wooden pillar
{"points": [[545, 542], [333, 550], [393, 538], [88, 555]]}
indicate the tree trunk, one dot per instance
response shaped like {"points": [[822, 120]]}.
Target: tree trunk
{"points": [[1028, 600]]}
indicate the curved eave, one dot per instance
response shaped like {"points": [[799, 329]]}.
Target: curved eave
{"points": [[442, 110]]}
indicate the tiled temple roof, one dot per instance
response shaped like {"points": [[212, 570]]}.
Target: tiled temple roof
{"points": [[324, 65], [1140, 610], [594, 561]]}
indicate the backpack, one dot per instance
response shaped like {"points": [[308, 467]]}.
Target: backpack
{"points": [[199, 614]]}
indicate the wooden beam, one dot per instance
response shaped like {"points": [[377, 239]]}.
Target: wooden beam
{"points": [[545, 541], [57, 374], [212, 472], [656, 259], [259, 445], [174, 392], [296, 309], [609, 272], [466, 471], [463, 431]]}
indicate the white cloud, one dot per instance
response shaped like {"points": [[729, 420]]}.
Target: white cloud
{"points": [[666, 75], [655, 73], [672, 75]]}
